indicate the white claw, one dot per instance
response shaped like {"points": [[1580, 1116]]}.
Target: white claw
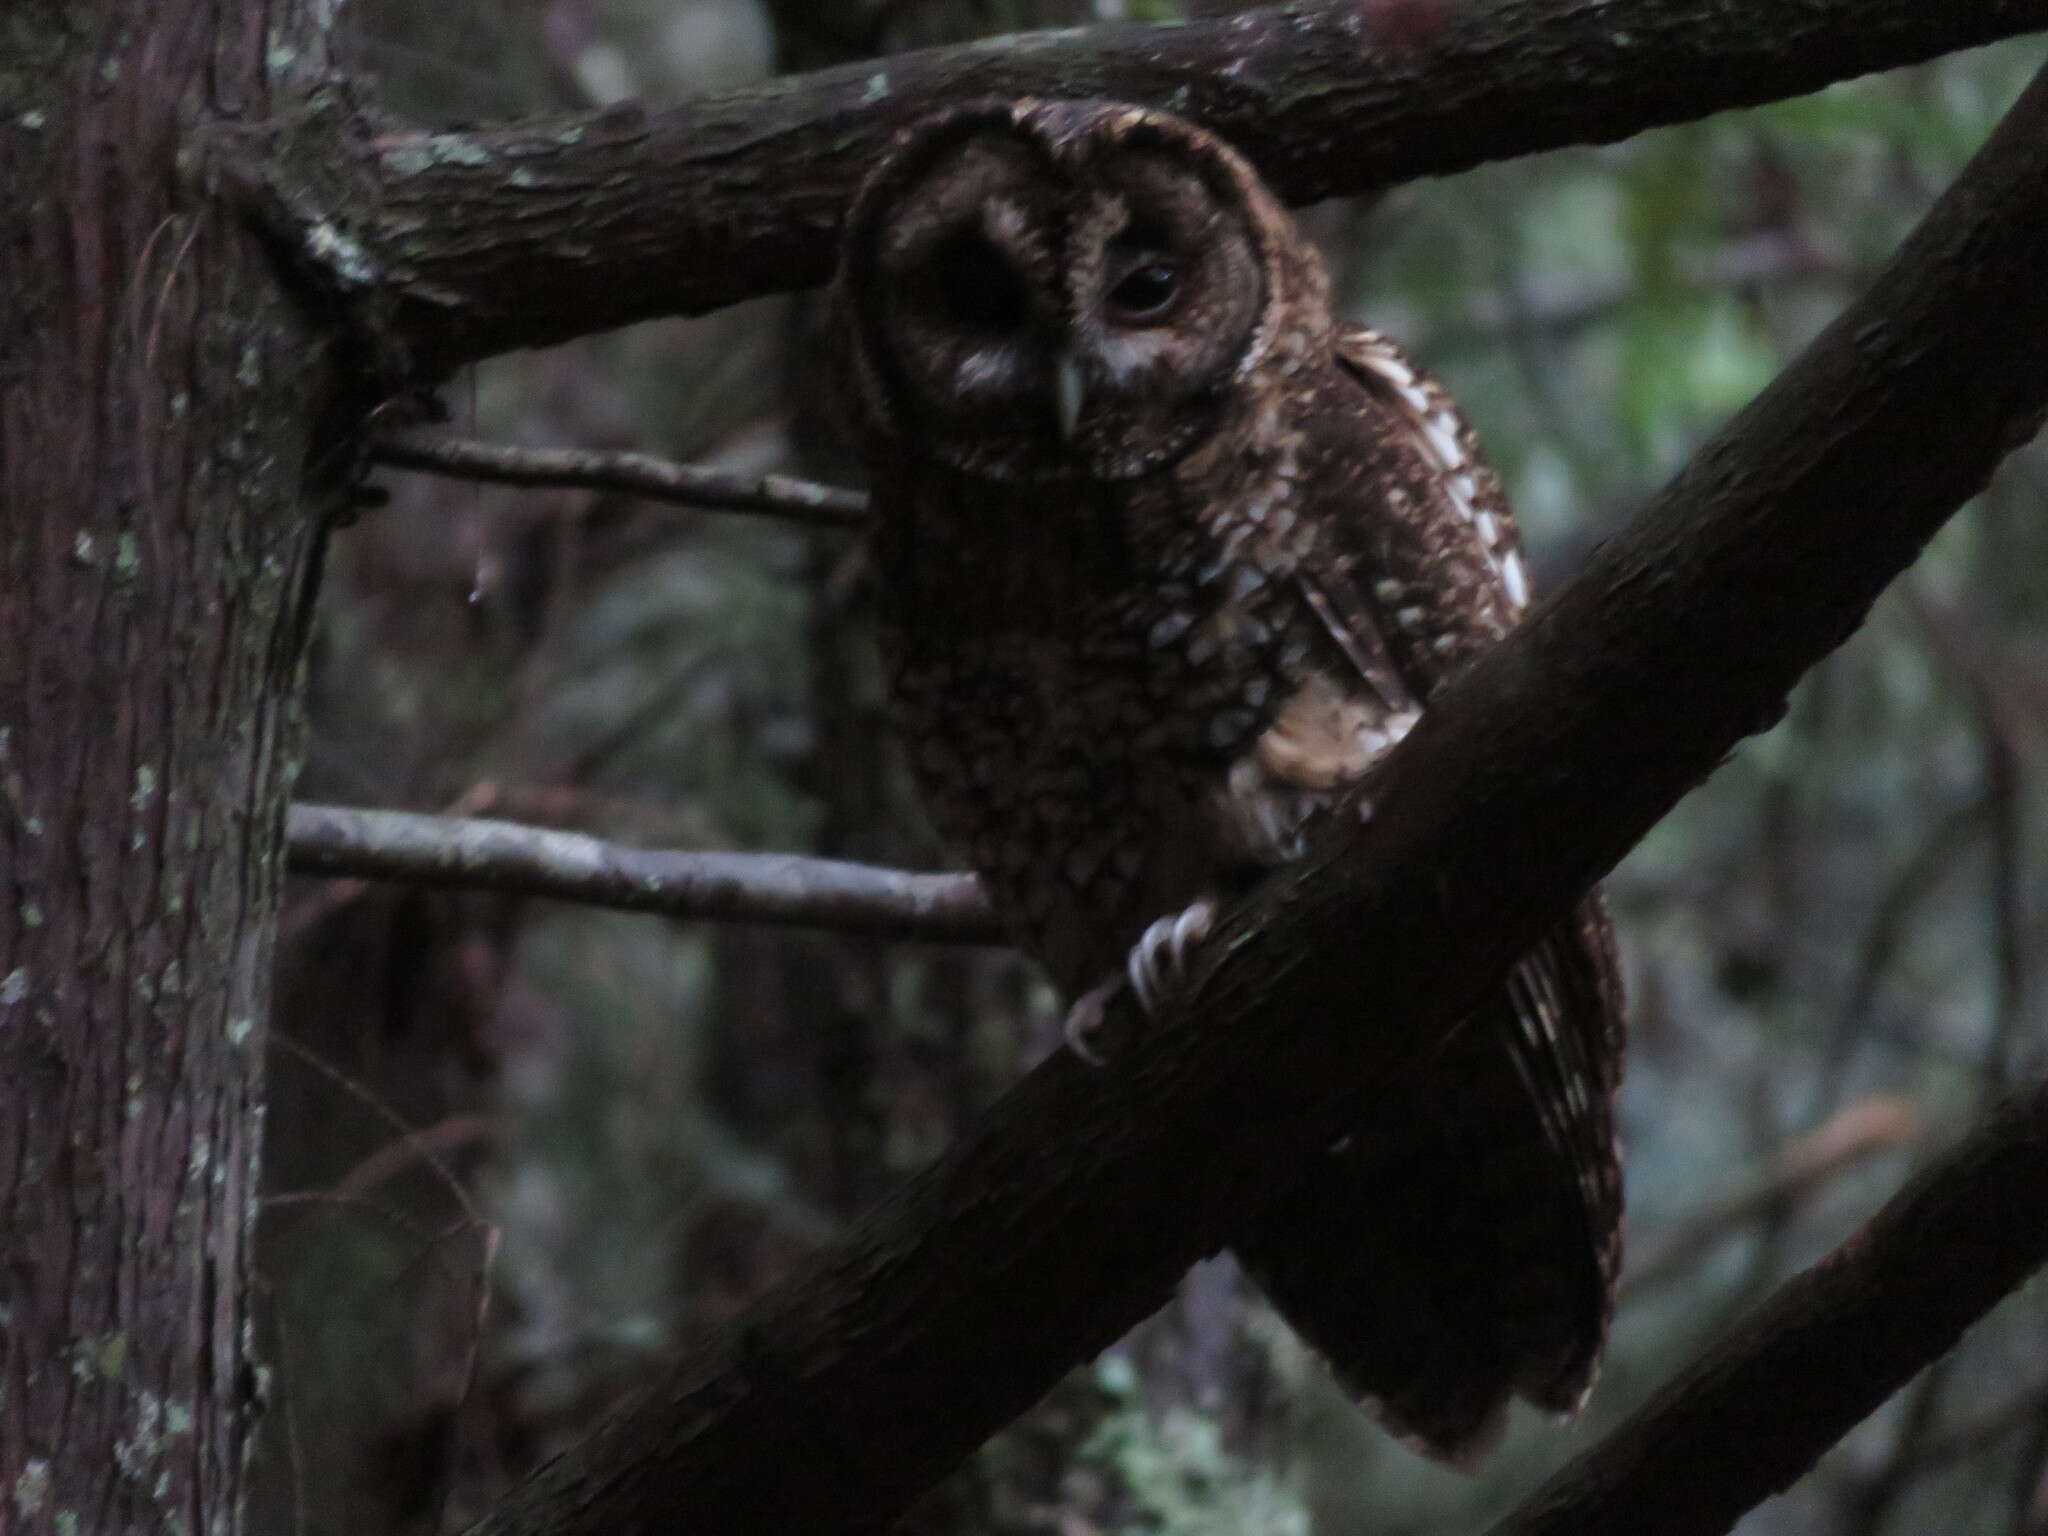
{"points": [[1143, 963], [1154, 968], [1084, 1022], [1159, 960], [1191, 927]]}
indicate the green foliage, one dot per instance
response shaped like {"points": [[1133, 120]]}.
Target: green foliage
{"points": [[1179, 1478]]}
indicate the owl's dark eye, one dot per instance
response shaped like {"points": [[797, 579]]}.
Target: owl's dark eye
{"points": [[977, 288], [1147, 292]]}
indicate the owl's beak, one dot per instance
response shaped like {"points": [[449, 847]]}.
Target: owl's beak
{"points": [[1069, 394]]}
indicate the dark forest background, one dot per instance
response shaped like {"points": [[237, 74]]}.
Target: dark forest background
{"points": [[518, 1150]]}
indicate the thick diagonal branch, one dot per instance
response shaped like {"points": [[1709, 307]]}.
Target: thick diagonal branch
{"points": [[462, 245], [958, 1302]]}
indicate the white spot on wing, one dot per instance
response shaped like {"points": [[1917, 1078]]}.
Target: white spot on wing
{"points": [[1515, 579], [1396, 372], [1442, 428]]}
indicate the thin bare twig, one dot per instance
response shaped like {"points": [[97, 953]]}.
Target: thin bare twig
{"points": [[630, 474], [1868, 1509], [1870, 1506], [1558, 305], [1760, 1405], [295, 1451], [335, 1200], [449, 1134], [2028, 1517], [1847, 1137], [1944, 842], [472, 1355], [786, 889], [426, 1151], [2003, 746], [1975, 1436]]}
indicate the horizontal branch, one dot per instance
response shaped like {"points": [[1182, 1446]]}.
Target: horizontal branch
{"points": [[631, 474], [839, 1396], [785, 889], [460, 245], [1762, 1404]]}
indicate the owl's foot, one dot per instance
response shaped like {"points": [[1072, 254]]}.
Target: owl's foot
{"points": [[1154, 969], [1158, 962]]}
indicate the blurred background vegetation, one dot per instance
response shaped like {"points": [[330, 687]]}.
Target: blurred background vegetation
{"points": [[520, 1149]]}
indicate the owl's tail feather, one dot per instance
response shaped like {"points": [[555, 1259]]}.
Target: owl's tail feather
{"points": [[1453, 1254]]}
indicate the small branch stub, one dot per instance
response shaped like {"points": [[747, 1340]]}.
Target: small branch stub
{"points": [[784, 889], [631, 474]]}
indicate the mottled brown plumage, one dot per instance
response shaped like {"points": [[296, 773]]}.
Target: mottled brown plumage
{"points": [[1169, 557]]}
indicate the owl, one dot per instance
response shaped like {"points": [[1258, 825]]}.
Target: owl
{"points": [[1168, 556]]}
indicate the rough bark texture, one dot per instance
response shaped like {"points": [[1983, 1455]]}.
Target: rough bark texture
{"points": [[465, 244], [156, 391], [833, 1401], [1760, 1407]]}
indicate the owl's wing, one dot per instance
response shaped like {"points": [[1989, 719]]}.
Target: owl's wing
{"points": [[1448, 576], [1484, 1215], [1450, 580]]}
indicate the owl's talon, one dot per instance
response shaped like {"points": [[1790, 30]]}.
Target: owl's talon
{"points": [[1158, 962], [1154, 970], [1083, 1026], [1143, 963]]}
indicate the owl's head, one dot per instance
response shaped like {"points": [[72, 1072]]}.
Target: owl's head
{"points": [[1055, 289]]}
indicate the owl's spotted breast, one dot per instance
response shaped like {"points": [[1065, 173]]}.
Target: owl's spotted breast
{"points": [[1075, 697]]}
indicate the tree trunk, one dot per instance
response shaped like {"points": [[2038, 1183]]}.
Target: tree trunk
{"points": [[156, 390]]}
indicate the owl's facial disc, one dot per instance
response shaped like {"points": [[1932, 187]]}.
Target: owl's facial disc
{"points": [[1035, 302]]}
